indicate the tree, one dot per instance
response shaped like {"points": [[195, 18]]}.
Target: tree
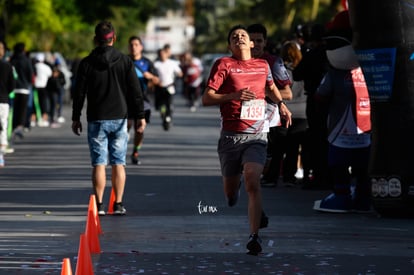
{"points": [[213, 19], [68, 26], [39, 24], [65, 26]]}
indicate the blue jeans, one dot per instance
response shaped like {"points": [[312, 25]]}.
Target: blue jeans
{"points": [[108, 138]]}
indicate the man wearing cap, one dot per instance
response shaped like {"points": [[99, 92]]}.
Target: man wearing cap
{"points": [[107, 80]]}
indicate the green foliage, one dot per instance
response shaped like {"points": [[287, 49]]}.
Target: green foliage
{"points": [[41, 25], [214, 19]]}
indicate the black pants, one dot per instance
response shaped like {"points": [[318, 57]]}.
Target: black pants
{"points": [[317, 143], [275, 149], [284, 149], [294, 147], [163, 98], [43, 100], [19, 110]]}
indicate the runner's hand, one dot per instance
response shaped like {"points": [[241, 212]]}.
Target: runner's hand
{"points": [[246, 94], [285, 114]]}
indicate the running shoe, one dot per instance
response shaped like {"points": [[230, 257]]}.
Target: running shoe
{"points": [[101, 209], [43, 123], [134, 158], [253, 245], [119, 209], [166, 124], [61, 119], [17, 133], [8, 150]]}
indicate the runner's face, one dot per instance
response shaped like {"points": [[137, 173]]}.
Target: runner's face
{"points": [[259, 44], [135, 47], [240, 39]]}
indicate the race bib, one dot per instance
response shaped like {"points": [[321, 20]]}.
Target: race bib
{"points": [[253, 109]]}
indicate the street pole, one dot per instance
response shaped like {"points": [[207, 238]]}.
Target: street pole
{"points": [[383, 36]]}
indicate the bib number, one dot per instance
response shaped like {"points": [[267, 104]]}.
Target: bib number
{"points": [[253, 109]]}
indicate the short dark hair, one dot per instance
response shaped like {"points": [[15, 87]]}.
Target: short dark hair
{"points": [[104, 32], [19, 47], [258, 28], [236, 27], [134, 37]]}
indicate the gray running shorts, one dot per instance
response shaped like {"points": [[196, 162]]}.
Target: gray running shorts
{"points": [[234, 150]]}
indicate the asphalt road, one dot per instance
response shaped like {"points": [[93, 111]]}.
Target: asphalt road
{"points": [[45, 189]]}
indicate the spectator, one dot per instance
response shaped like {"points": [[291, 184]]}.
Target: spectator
{"points": [[54, 88], [7, 85], [107, 79], [25, 74], [192, 71], [60, 96], [43, 72], [311, 69], [294, 141]]}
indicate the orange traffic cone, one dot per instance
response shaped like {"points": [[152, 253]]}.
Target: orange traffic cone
{"points": [[84, 263], [92, 206], [92, 234], [111, 202], [66, 268]]}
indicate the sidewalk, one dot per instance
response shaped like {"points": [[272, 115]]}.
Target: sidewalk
{"points": [[45, 190]]}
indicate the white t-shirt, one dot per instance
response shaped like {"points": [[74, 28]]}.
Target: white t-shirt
{"points": [[167, 71], [43, 72]]}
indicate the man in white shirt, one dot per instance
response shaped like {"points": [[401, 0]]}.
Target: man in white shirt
{"points": [[43, 72], [168, 70]]}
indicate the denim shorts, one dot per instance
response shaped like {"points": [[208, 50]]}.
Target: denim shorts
{"points": [[108, 139], [236, 149]]}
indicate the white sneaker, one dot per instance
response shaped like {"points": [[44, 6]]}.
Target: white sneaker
{"points": [[55, 125], [61, 119], [43, 123], [299, 173], [8, 150]]}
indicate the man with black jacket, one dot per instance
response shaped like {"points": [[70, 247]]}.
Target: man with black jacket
{"points": [[25, 72], [107, 80]]}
